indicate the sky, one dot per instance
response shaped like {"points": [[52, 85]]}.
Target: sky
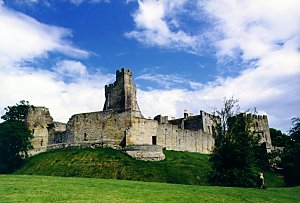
{"points": [[184, 54]]}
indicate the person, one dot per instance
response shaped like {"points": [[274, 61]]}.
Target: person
{"points": [[261, 180]]}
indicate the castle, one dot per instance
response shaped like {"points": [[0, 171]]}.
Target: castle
{"points": [[121, 125]]}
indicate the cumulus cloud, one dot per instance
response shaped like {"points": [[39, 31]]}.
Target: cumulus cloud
{"points": [[253, 28], [48, 3], [70, 69], [45, 88], [78, 2], [156, 25], [170, 81], [66, 89], [23, 38], [262, 35]]}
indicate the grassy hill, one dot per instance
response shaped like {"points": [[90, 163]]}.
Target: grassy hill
{"points": [[178, 167], [15, 188]]}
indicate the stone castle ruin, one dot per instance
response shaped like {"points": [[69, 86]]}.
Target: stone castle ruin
{"points": [[121, 125]]}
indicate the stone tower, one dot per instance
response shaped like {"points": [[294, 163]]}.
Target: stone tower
{"points": [[261, 127], [38, 120], [121, 95]]}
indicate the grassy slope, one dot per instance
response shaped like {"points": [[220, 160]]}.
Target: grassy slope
{"points": [[14, 188], [178, 167]]}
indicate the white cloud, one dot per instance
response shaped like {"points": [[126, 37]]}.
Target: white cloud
{"points": [[253, 27], [165, 102], [48, 3], [70, 69], [45, 88], [24, 38], [266, 32], [170, 81], [156, 25], [67, 89], [78, 2]]}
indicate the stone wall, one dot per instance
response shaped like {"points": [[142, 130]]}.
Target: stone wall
{"points": [[209, 122], [57, 133], [145, 152], [204, 121], [106, 127], [141, 131], [150, 132], [174, 138], [38, 119], [261, 127]]}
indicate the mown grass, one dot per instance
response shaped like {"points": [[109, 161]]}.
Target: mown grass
{"points": [[178, 167], [24, 188]]}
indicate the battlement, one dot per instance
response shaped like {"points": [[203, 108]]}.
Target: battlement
{"points": [[121, 95], [259, 125], [122, 72], [257, 117]]}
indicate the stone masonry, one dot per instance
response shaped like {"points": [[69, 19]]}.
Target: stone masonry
{"points": [[121, 125]]}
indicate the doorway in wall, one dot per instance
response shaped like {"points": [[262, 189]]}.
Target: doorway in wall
{"points": [[153, 140]]}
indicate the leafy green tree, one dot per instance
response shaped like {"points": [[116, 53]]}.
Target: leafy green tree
{"points": [[279, 139], [234, 156], [290, 159], [14, 137], [295, 130]]}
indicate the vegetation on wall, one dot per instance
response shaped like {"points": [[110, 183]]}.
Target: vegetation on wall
{"points": [[14, 137]]}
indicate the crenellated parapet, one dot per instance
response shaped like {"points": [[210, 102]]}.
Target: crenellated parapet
{"points": [[121, 95], [258, 125]]}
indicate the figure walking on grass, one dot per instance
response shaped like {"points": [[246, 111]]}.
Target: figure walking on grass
{"points": [[261, 180]]}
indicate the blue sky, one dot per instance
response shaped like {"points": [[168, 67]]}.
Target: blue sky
{"points": [[184, 54]]}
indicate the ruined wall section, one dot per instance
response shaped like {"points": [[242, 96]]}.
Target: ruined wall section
{"points": [[105, 127], [258, 125], [145, 152], [204, 121], [193, 123], [141, 131], [261, 127], [172, 137], [38, 120], [57, 133], [121, 95], [209, 122]]}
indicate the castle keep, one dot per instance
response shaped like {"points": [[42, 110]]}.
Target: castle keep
{"points": [[121, 125]]}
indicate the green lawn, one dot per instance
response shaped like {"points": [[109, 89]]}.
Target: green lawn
{"points": [[25, 188]]}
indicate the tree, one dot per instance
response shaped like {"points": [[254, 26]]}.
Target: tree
{"points": [[14, 137], [290, 159], [279, 139], [234, 156], [295, 130]]}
